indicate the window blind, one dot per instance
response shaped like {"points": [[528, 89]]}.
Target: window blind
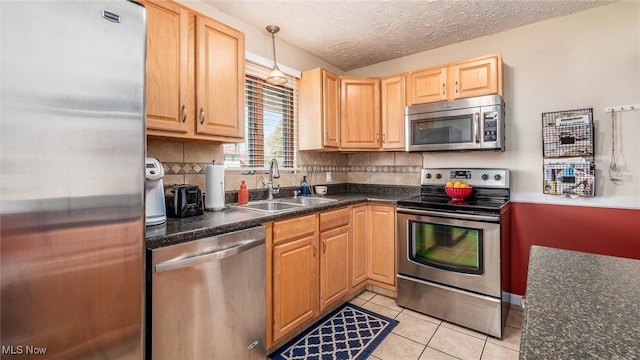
{"points": [[270, 121]]}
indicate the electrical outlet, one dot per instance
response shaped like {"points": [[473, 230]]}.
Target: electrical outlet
{"points": [[328, 176]]}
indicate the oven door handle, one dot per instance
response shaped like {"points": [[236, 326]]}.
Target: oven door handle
{"points": [[448, 215]]}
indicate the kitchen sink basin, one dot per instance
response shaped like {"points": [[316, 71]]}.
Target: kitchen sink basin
{"points": [[278, 205], [270, 206], [307, 201]]}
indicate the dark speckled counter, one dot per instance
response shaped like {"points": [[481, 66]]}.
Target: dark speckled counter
{"points": [[231, 219], [581, 306]]}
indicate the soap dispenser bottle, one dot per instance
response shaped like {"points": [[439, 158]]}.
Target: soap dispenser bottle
{"points": [[243, 194], [304, 188]]}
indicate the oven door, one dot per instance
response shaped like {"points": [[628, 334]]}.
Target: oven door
{"points": [[458, 250]]}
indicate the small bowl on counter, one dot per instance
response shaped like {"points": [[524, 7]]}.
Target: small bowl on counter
{"points": [[320, 190]]}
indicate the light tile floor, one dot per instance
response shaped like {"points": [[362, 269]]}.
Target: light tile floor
{"points": [[421, 337]]}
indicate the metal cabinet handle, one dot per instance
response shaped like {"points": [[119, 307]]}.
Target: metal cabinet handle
{"points": [[443, 89], [377, 137], [202, 116], [315, 248], [207, 257], [184, 113], [383, 139], [324, 246], [456, 87]]}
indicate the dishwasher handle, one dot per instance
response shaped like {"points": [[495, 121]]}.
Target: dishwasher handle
{"points": [[207, 257]]}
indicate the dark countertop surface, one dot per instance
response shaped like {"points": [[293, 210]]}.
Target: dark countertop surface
{"points": [[232, 218], [581, 306]]}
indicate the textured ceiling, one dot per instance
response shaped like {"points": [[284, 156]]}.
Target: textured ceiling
{"points": [[356, 33]]}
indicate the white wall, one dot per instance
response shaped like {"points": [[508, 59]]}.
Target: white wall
{"points": [[586, 60], [258, 41]]}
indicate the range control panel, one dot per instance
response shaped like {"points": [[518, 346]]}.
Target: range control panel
{"points": [[496, 178]]}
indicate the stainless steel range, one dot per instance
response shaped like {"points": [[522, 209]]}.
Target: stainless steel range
{"points": [[454, 256]]}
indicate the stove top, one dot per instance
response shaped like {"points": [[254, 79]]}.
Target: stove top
{"points": [[490, 191]]}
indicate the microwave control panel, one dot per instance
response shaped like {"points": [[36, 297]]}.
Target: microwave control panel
{"points": [[490, 122]]}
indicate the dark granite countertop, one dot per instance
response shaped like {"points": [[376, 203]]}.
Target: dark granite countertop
{"points": [[581, 306], [232, 218]]}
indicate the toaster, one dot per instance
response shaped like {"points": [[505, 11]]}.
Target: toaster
{"points": [[183, 200]]}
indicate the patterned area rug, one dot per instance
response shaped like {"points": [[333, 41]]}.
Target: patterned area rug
{"points": [[349, 332]]}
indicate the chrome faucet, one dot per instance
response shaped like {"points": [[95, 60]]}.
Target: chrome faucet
{"points": [[274, 173]]}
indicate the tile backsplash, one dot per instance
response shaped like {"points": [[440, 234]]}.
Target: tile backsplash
{"points": [[184, 163]]}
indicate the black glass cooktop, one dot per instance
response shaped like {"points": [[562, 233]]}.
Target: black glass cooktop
{"points": [[481, 201]]}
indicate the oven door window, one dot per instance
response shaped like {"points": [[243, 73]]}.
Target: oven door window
{"points": [[445, 130], [446, 247]]}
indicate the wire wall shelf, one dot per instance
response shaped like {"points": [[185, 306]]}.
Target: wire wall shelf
{"points": [[568, 151]]}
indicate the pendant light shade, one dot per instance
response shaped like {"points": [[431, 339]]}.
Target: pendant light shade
{"points": [[276, 77]]}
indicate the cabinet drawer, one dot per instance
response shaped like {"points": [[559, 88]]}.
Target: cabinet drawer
{"points": [[286, 230], [335, 218]]}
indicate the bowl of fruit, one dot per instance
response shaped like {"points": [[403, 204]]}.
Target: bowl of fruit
{"points": [[458, 191]]}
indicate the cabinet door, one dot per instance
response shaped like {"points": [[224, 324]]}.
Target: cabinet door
{"points": [[359, 113], [167, 73], [393, 103], [334, 266], [383, 237], [428, 85], [476, 78], [220, 79], [331, 109], [295, 284], [360, 232]]}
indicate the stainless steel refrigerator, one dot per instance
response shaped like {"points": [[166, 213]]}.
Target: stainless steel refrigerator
{"points": [[72, 148]]}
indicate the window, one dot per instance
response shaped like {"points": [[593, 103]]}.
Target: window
{"points": [[270, 114]]}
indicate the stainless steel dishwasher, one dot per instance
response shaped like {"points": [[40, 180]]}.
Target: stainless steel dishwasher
{"points": [[207, 298]]}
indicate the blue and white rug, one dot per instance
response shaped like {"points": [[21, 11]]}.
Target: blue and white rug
{"points": [[348, 332]]}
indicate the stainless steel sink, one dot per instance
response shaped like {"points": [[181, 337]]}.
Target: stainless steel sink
{"points": [[278, 205], [269, 206], [307, 201]]}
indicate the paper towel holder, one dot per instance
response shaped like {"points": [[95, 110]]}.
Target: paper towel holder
{"points": [[212, 187]]}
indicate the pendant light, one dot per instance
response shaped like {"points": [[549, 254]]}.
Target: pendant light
{"points": [[276, 77]]}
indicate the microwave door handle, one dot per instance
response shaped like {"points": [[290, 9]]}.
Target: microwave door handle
{"points": [[477, 127]]}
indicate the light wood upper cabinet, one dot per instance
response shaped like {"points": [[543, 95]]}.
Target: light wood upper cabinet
{"points": [[393, 100], [382, 266], [428, 85], [318, 110], [220, 79], [477, 77], [167, 79], [195, 75], [359, 113], [468, 78], [360, 233]]}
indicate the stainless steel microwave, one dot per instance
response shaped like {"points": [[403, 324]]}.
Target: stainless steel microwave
{"points": [[466, 124]]}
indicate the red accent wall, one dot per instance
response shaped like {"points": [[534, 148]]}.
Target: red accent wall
{"points": [[597, 230]]}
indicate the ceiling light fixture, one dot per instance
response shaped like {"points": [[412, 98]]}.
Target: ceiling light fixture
{"points": [[276, 77]]}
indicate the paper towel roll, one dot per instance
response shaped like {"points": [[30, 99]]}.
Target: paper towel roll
{"points": [[214, 182]]}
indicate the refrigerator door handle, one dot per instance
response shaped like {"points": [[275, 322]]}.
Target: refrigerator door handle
{"points": [[207, 257]]}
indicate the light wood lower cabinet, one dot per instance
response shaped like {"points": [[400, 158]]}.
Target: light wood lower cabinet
{"points": [[382, 247], [294, 274], [360, 233], [374, 234], [334, 257], [315, 261]]}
